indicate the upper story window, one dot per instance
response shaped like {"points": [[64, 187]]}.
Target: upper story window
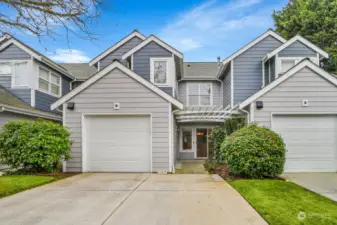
{"points": [[5, 68], [49, 82], [199, 94], [160, 68], [286, 64]]}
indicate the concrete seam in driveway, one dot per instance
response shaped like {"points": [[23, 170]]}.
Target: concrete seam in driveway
{"points": [[125, 199]]}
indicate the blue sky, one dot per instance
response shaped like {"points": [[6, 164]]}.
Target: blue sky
{"points": [[202, 30]]}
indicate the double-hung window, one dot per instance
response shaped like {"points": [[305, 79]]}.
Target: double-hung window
{"points": [[199, 94], [49, 82]]}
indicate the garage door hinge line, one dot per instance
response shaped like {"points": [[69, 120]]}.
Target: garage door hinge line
{"points": [[125, 200]]}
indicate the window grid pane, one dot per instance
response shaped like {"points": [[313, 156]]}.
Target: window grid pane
{"points": [[5, 69], [55, 89], [55, 79], [199, 94], [43, 85], [160, 76]]}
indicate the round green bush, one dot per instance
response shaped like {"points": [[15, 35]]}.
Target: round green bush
{"points": [[254, 152], [34, 145]]}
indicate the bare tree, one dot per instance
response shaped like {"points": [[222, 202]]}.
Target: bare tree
{"points": [[43, 18]]}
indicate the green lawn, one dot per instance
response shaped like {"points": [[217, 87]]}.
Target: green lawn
{"points": [[12, 184], [280, 202]]}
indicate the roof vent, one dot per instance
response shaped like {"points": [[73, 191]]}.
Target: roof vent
{"points": [[219, 59]]}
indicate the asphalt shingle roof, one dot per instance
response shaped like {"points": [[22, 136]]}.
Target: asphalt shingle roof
{"points": [[81, 71], [200, 69]]}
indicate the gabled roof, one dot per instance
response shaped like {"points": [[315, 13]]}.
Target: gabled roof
{"points": [[9, 102], [135, 33], [200, 70], [81, 71], [248, 46], [127, 71], [156, 40], [293, 40], [9, 40], [304, 63]]}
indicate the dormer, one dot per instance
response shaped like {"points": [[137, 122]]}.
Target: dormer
{"points": [[157, 62], [289, 54]]}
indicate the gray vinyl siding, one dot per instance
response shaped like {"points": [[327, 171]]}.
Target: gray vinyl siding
{"points": [[272, 69], [141, 59], [216, 91], [287, 97], [43, 100], [5, 117], [297, 49], [22, 93], [227, 87], [168, 90], [266, 73], [182, 92], [133, 98], [248, 68], [14, 52], [119, 52]]}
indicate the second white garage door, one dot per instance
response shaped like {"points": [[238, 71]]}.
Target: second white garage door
{"points": [[310, 142], [117, 144]]}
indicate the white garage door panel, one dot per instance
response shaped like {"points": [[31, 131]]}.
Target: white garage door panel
{"points": [[118, 143], [310, 141]]}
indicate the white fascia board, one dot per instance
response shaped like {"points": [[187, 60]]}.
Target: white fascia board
{"points": [[117, 45], [127, 71], [251, 44], [18, 44], [29, 112], [294, 70], [293, 40], [156, 40]]}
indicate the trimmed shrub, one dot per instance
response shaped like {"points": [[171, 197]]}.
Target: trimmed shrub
{"points": [[254, 152], [34, 145], [233, 124]]}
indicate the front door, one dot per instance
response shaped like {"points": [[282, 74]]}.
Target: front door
{"points": [[201, 143]]}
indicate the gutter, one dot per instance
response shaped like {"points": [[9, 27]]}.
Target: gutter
{"points": [[29, 113]]}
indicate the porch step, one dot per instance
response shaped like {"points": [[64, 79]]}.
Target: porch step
{"points": [[190, 167]]}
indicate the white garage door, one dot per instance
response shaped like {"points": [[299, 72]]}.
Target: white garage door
{"points": [[117, 144], [310, 142]]}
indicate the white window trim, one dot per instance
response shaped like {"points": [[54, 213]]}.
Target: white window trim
{"points": [[168, 65], [181, 139], [13, 62], [278, 66], [211, 95], [49, 82]]}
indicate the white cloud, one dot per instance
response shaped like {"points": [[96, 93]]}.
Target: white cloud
{"points": [[69, 56], [215, 21]]}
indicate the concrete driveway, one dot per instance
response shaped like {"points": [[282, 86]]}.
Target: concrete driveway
{"points": [[130, 199], [322, 183]]}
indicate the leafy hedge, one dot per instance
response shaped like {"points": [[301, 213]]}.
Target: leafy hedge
{"points": [[34, 145], [254, 152]]}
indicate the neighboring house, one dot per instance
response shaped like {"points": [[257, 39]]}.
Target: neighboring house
{"points": [[145, 108], [32, 78]]}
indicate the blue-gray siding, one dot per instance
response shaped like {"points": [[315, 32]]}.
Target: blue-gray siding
{"points": [[266, 72], [65, 85], [272, 69], [227, 82], [248, 68], [119, 52], [141, 59], [22, 93], [14, 52], [43, 100], [297, 49], [168, 90]]}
